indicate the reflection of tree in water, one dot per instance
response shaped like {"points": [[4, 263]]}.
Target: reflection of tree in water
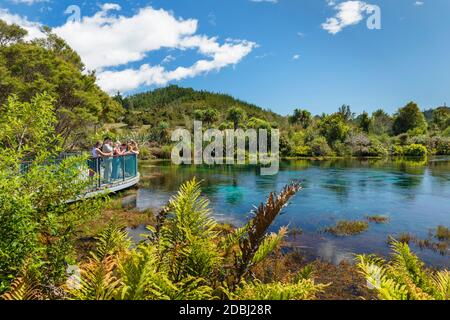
{"points": [[337, 183], [440, 169]]}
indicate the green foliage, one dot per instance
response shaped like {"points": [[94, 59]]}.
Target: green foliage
{"points": [[333, 128], [11, 33], [409, 118], [441, 118], [415, 150], [236, 115], [50, 65], [319, 147], [348, 228], [405, 277], [38, 223], [185, 258], [301, 117], [364, 122], [304, 289]]}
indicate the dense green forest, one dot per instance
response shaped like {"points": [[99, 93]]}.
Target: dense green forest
{"points": [[408, 132]]}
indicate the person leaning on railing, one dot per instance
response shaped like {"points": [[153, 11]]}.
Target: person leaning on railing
{"points": [[118, 151], [97, 153]]}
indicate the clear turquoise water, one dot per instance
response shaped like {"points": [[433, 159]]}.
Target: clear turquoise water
{"points": [[415, 196]]}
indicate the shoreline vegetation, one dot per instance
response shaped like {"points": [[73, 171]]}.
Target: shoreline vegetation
{"points": [[50, 104]]}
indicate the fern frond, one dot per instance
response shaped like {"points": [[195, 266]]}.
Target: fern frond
{"points": [[305, 289], [22, 288], [97, 281], [112, 240], [441, 281], [268, 245]]}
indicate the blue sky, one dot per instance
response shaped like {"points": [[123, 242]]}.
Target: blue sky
{"points": [[276, 54]]}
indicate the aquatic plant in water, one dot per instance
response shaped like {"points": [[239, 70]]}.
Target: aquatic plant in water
{"points": [[348, 228]]}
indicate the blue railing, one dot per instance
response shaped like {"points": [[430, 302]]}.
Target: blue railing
{"points": [[111, 171]]}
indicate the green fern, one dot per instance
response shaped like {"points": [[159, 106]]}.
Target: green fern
{"points": [[305, 289], [405, 277]]}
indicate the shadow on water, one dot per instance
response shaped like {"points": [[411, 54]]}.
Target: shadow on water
{"points": [[415, 195]]}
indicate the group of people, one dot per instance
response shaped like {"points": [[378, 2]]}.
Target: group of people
{"points": [[107, 154]]}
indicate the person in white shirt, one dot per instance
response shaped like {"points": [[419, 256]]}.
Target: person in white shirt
{"points": [[107, 151]]}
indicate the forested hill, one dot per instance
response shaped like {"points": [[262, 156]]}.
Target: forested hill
{"points": [[178, 106]]}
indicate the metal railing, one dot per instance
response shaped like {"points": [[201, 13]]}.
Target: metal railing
{"points": [[109, 171], [105, 172]]}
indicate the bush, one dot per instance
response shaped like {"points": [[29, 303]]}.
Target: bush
{"points": [[415, 150], [443, 147], [144, 152], [319, 147], [397, 150], [302, 151]]}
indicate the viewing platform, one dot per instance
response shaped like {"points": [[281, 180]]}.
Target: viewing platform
{"points": [[113, 174]]}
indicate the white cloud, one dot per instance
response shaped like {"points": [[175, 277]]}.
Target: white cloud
{"points": [[107, 40], [295, 57], [33, 28], [349, 13]]}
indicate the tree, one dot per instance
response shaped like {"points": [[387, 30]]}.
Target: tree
{"points": [[50, 65], [301, 117], [208, 116], [333, 128], [409, 118], [11, 33], [381, 123], [364, 121], [256, 123], [236, 115], [346, 113], [441, 118]]}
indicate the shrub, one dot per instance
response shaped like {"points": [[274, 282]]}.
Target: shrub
{"points": [[319, 147], [443, 147], [415, 150], [397, 150], [144, 152], [302, 151]]}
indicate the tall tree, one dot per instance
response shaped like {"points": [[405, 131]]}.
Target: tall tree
{"points": [[236, 115], [346, 113], [409, 118], [333, 128], [381, 123], [301, 117], [441, 118], [364, 121], [11, 33]]}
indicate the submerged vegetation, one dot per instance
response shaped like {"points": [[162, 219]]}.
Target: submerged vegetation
{"points": [[438, 240], [348, 228], [378, 219]]}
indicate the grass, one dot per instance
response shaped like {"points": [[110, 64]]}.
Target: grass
{"points": [[348, 228], [379, 219]]}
